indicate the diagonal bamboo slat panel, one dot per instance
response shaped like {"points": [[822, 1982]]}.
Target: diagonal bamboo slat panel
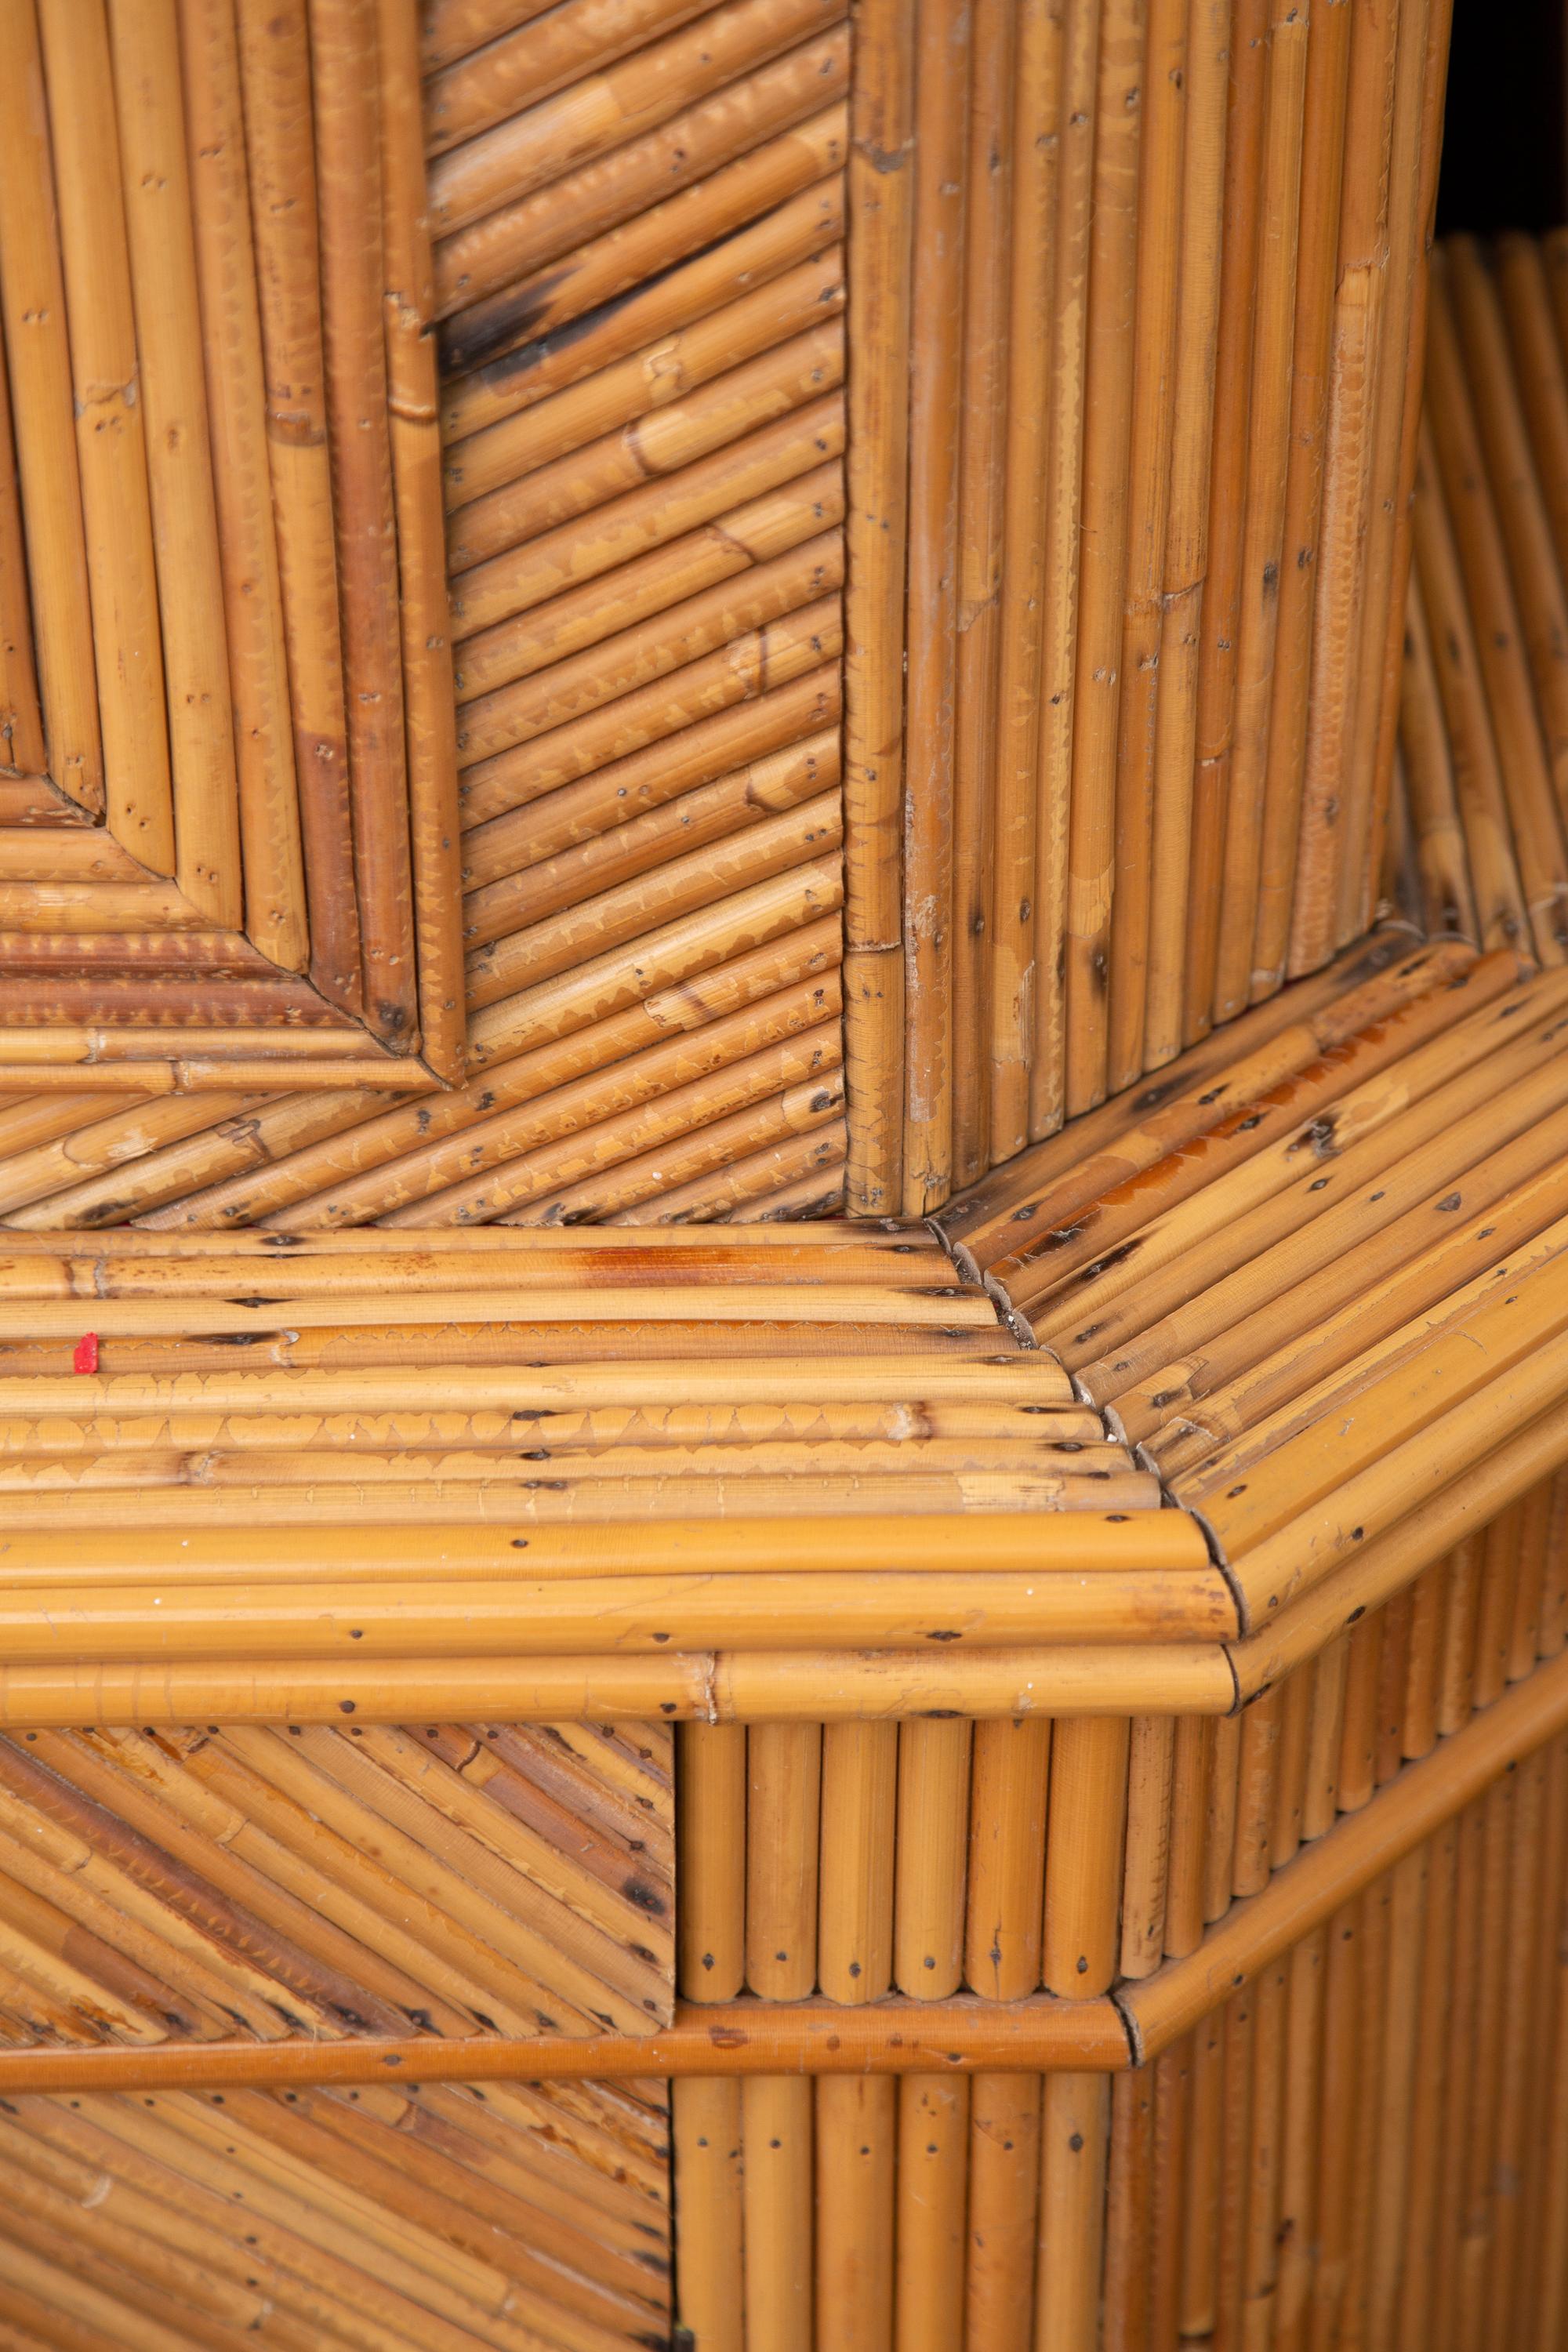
{"points": [[503, 2217]]}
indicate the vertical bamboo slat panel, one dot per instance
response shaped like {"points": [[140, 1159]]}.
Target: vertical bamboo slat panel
{"points": [[1205, 475]]}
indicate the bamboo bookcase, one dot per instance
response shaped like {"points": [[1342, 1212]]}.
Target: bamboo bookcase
{"points": [[783, 1243]]}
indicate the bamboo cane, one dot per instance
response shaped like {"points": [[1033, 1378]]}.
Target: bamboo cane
{"points": [[929, 2218], [1220, 612], [712, 1835], [470, 94], [21, 721], [681, 303], [1075, 2128], [1148, 1846], [536, 145], [1011, 1764], [708, 2163], [1059, 600], [933, 1798], [1186, 524], [778, 2198], [549, 300], [1014, 905], [1151, 435], [1415, 230], [1107, 419], [857, 2124], [854, 1929], [1498, 646], [1322, 169], [1004, 2190], [1356, 353], [1263, 546], [783, 1764]]}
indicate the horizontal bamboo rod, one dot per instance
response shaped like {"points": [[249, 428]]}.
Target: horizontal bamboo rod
{"points": [[130, 1240], [812, 1686], [743, 2037], [947, 1544], [81, 1624], [1362, 1846], [945, 1307], [404, 1074], [531, 1386]]}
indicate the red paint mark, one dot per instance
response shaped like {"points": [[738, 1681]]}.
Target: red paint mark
{"points": [[85, 1359]]}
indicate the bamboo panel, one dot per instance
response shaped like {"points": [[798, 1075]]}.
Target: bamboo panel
{"points": [[451, 2217], [182, 1884], [645, 506], [1168, 312], [216, 568]]}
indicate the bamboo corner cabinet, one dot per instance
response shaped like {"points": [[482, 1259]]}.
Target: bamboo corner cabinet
{"points": [[916, 646]]}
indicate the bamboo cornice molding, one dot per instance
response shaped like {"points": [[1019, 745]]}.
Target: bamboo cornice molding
{"points": [[1043, 2034]]}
